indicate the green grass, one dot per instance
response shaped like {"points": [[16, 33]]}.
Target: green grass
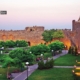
{"points": [[66, 60], [52, 74], [3, 73]]}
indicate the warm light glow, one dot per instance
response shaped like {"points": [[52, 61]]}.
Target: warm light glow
{"points": [[78, 68], [74, 66], [78, 62], [77, 73]]}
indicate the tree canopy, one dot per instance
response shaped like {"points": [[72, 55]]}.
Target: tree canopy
{"points": [[49, 35], [21, 43], [39, 49], [56, 45], [21, 55]]}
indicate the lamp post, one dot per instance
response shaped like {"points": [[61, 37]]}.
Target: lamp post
{"points": [[27, 69], [74, 66], [65, 49], [1, 52], [17, 44], [42, 56], [30, 52], [52, 52]]}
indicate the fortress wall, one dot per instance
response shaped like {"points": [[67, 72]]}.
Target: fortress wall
{"points": [[33, 36]]}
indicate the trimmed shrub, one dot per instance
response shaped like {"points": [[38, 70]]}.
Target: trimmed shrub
{"points": [[41, 65], [47, 65], [51, 62]]}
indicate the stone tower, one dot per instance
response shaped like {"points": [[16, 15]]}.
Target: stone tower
{"points": [[75, 24], [76, 32]]}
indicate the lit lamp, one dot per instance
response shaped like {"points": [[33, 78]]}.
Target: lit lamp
{"points": [[30, 52], [65, 49], [52, 52], [42, 56], [74, 66], [27, 69], [2, 48], [1, 52], [17, 45]]}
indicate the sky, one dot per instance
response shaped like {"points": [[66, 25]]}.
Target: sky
{"points": [[52, 14]]}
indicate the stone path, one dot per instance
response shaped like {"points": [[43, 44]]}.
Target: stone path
{"points": [[23, 75], [63, 66]]}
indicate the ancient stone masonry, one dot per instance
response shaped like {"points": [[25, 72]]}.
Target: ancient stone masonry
{"points": [[74, 35], [31, 34]]}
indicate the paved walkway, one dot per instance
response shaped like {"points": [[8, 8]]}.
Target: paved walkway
{"points": [[63, 66], [23, 75]]}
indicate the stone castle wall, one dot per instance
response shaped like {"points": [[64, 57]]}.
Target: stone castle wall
{"points": [[34, 35], [31, 34]]}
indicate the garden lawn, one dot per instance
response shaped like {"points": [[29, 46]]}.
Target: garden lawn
{"points": [[66, 60], [3, 74], [52, 74]]}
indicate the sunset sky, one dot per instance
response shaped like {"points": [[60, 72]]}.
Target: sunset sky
{"points": [[48, 13]]}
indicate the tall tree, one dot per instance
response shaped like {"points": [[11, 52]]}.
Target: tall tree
{"points": [[58, 34], [49, 35], [57, 45]]}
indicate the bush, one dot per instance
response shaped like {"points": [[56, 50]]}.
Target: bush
{"points": [[51, 62], [46, 55], [41, 65], [47, 65]]}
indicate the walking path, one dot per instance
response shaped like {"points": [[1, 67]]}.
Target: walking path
{"points": [[23, 75], [63, 66]]}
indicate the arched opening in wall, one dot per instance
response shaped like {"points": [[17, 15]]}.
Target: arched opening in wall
{"points": [[29, 43], [4, 37]]}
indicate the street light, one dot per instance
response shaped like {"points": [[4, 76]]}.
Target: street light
{"points": [[30, 52], [27, 69], [42, 56], [1, 52], [65, 49], [74, 66], [52, 52], [2, 48], [17, 45]]}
